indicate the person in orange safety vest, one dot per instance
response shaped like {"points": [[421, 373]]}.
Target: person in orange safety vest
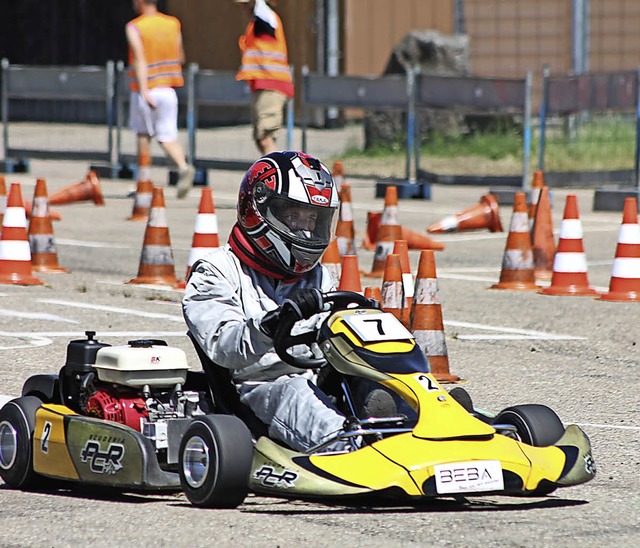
{"points": [[156, 56], [265, 67]]}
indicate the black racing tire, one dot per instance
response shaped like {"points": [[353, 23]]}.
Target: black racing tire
{"points": [[216, 452], [17, 424], [536, 424]]}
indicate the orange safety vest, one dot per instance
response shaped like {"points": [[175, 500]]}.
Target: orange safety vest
{"points": [[160, 40], [264, 58]]}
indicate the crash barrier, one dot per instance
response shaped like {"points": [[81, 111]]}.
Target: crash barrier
{"points": [[109, 88], [408, 95], [387, 93], [597, 115], [497, 101], [27, 89]]}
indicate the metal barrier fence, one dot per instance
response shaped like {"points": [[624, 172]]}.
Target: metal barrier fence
{"points": [[586, 120], [485, 97], [24, 85]]}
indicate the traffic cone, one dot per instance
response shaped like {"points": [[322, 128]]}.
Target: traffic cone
{"points": [[205, 234], [337, 172], [570, 263], [144, 166], [544, 247], [89, 189], [345, 233], [426, 319], [54, 215], [625, 273], [15, 254], [156, 259], [373, 293], [534, 196], [331, 260], [44, 255], [388, 233], [418, 240], [401, 249], [517, 262], [486, 214], [142, 201], [394, 298], [3, 199], [371, 234], [350, 275]]}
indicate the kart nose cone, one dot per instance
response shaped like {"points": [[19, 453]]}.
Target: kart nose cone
{"points": [[580, 466], [196, 462], [8, 445]]}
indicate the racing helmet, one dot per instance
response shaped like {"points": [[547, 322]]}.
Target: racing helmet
{"points": [[287, 208]]}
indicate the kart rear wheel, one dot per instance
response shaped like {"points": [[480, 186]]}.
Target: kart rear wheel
{"points": [[536, 424], [215, 461], [17, 424]]}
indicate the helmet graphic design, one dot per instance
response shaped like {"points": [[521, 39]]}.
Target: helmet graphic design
{"points": [[287, 206]]}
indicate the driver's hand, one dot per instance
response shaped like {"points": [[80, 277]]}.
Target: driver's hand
{"points": [[269, 322], [304, 304]]}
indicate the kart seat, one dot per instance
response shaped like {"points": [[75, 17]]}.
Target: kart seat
{"points": [[225, 394]]}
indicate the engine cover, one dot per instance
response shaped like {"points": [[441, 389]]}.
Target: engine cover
{"points": [[137, 365], [107, 403]]}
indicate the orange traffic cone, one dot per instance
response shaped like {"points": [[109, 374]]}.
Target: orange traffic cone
{"points": [[54, 215], [544, 247], [350, 275], [371, 234], [401, 249], [205, 234], [15, 254], [373, 293], [89, 189], [156, 259], [394, 298], [331, 261], [3, 199], [625, 273], [388, 233], [517, 261], [345, 232], [44, 255], [486, 214], [142, 201], [534, 196], [144, 166], [570, 263], [337, 172], [426, 319]]}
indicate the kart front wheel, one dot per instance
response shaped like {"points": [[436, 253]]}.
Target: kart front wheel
{"points": [[17, 424], [215, 461], [535, 424]]}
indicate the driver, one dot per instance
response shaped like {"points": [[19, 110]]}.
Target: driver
{"points": [[287, 211]]}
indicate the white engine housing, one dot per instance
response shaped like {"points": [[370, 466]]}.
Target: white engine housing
{"points": [[140, 366]]}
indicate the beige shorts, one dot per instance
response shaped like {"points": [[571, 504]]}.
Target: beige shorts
{"points": [[267, 113]]}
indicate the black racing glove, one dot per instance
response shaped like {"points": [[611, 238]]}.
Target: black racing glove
{"points": [[304, 304]]}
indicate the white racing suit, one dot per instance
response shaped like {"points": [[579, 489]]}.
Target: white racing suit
{"points": [[223, 304]]}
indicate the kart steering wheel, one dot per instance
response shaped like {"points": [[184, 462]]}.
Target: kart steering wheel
{"points": [[283, 340]]}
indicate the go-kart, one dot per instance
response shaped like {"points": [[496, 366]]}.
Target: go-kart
{"points": [[135, 417]]}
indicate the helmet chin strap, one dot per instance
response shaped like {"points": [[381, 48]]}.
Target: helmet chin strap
{"points": [[246, 251]]}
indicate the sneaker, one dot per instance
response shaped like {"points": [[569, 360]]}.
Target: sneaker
{"points": [[185, 181], [379, 403]]}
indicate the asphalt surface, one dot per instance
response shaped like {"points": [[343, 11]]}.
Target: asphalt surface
{"points": [[576, 354]]}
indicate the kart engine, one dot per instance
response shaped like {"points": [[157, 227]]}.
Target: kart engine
{"points": [[139, 385]]}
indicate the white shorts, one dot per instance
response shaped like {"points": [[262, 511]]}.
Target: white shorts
{"points": [[160, 122]]}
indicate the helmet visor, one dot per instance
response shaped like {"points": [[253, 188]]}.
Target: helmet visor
{"points": [[302, 224]]}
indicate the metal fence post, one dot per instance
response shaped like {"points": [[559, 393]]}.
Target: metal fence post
{"points": [[5, 106], [303, 106], [411, 118], [119, 112], [109, 92], [526, 140], [543, 116], [636, 166], [192, 72]]}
